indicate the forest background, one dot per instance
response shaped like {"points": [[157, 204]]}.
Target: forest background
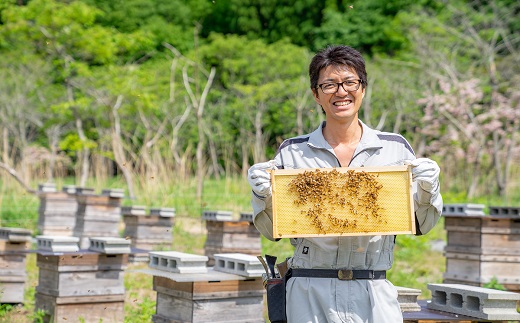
{"points": [[172, 90], [173, 100]]}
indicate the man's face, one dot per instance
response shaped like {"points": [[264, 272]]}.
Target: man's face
{"points": [[343, 104]]}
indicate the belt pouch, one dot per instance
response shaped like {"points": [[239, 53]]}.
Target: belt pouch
{"points": [[276, 300]]}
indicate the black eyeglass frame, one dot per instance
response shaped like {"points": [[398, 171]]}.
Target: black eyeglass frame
{"points": [[360, 81]]}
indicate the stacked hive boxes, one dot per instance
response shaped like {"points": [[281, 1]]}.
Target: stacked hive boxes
{"points": [[148, 232], [81, 286], [225, 235], [98, 215], [481, 248], [14, 243], [57, 212], [188, 291]]}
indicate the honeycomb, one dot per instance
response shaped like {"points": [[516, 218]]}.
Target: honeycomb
{"points": [[342, 201]]}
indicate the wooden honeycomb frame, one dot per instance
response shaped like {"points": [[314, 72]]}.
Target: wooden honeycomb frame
{"points": [[394, 214]]}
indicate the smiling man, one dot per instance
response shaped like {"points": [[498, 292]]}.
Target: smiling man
{"points": [[316, 291]]}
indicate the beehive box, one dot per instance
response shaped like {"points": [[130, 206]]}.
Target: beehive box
{"points": [[231, 237], [105, 308], [482, 248], [209, 300], [97, 216], [57, 213], [342, 201], [81, 274]]}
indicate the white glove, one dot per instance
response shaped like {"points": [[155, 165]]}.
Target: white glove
{"points": [[426, 172], [259, 178]]}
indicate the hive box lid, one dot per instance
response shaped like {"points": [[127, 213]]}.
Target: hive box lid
{"points": [[342, 201]]}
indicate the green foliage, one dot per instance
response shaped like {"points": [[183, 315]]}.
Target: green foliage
{"points": [[4, 308], [365, 25], [415, 263], [18, 209], [188, 242], [140, 304], [39, 316], [494, 284], [143, 312], [76, 59], [281, 249], [163, 20], [72, 143], [269, 20], [261, 77]]}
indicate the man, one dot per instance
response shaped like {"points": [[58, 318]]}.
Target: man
{"points": [[338, 81]]}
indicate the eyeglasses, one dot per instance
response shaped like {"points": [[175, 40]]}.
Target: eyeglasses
{"points": [[348, 85]]}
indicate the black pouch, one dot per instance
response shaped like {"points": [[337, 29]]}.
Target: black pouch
{"points": [[276, 300]]}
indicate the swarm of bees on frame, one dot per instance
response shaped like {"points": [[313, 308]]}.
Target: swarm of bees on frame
{"points": [[326, 193]]}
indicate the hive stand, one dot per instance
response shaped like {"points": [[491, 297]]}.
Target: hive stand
{"points": [[14, 243], [478, 302], [225, 235], [82, 285]]}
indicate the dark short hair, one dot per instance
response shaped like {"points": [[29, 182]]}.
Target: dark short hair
{"points": [[337, 56]]}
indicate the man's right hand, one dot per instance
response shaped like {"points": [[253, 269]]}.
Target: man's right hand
{"points": [[259, 178]]}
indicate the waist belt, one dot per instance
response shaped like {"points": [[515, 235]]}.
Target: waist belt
{"points": [[341, 274]]}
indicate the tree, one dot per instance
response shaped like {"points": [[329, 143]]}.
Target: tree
{"points": [[263, 80], [167, 21], [21, 116], [66, 35], [469, 103], [271, 20]]}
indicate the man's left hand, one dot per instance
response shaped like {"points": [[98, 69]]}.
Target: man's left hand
{"points": [[426, 172]]}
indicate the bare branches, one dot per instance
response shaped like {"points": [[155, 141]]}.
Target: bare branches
{"points": [[17, 177]]}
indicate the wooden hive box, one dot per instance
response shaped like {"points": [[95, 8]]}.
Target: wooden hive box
{"points": [[481, 248], [210, 300], [14, 243], [107, 308], [97, 216], [81, 274], [231, 237], [498, 235], [342, 201], [86, 286], [12, 289], [12, 265], [481, 269], [57, 213], [148, 231], [13, 247]]}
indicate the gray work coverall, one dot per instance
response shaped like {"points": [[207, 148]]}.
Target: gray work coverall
{"points": [[331, 299]]}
